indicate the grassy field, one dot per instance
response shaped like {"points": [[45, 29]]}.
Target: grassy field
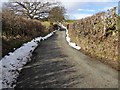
{"points": [[46, 23], [70, 21]]}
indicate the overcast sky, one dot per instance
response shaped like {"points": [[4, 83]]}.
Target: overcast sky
{"points": [[77, 9]]}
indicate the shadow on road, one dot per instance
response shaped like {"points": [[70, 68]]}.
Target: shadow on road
{"points": [[48, 68], [56, 65]]}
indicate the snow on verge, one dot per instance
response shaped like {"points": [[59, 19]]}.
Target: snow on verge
{"points": [[74, 45], [12, 64]]}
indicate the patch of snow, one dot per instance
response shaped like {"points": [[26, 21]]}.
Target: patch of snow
{"points": [[43, 38], [74, 45], [12, 64]]}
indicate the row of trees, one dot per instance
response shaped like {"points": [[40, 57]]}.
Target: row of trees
{"points": [[52, 11]]}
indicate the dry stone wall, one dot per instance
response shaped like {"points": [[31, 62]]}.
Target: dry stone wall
{"points": [[98, 36]]}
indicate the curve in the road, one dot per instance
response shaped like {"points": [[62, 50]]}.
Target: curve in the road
{"points": [[56, 65]]}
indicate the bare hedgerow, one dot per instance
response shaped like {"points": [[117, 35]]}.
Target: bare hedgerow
{"points": [[14, 25], [17, 30]]}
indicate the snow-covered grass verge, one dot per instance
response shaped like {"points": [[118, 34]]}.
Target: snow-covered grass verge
{"points": [[12, 64], [74, 45]]}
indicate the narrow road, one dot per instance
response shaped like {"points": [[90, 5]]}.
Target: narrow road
{"points": [[56, 65]]}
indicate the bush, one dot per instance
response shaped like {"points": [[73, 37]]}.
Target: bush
{"points": [[17, 30], [118, 23], [15, 25]]}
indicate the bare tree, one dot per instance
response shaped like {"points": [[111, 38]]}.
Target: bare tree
{"points": [[31, 9]]}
